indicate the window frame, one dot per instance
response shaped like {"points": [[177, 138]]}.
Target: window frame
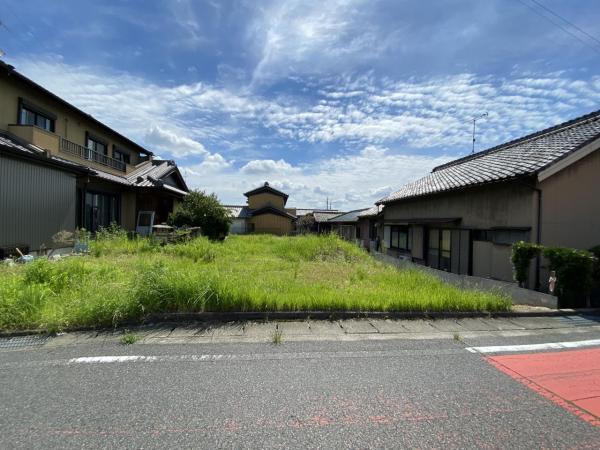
{"points": [[96, 140], [398, 230], [25, 105], [126, 155], [114, 202]]}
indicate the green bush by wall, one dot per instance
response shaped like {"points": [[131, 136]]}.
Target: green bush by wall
{"points": [[577, 271]]}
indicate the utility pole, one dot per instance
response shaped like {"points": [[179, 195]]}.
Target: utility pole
{"points": [[475, 119]]}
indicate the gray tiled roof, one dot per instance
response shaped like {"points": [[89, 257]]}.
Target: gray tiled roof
{"points": [[304, 211], [146, 174], [521, 157], [373, 211], [8, 142], [324, 216], [351, 216], [238, 211]]}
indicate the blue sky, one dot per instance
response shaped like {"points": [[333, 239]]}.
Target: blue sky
{"points": [[341, 99]]}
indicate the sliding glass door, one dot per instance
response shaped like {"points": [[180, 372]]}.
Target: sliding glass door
{"points": [[439, 249], [100, 210]]}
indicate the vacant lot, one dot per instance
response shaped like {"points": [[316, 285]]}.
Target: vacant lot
{"points": [[124, 280]]}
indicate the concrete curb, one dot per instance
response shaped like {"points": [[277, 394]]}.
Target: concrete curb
{"points": [[175, 318]]}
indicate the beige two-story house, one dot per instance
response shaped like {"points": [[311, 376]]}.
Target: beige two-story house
{"points": [[61, 168], [265, 213]]}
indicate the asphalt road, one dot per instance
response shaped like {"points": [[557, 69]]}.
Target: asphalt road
{"points": [[362, 394]]}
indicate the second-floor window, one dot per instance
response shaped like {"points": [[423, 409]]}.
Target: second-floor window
{"points": [[29, 115], [121, 155], [96, 145]]}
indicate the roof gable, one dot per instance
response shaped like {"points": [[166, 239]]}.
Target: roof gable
{"points": [[266, 188], [154, 173], [515, 159]]}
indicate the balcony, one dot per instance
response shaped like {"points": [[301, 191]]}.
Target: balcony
{"points": [[37, 136], [85, 153]]}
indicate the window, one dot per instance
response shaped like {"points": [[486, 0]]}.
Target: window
{"points": [[445, 250], [96, 145], [357, 232], [433, 252], [100, 210], [509, 237], [30, 115], [121, 155], [499, 236], [399, 237], [439, 253], [373, 230]]}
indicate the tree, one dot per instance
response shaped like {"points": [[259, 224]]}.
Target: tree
{"points": [[204, 211], [306, 223]]}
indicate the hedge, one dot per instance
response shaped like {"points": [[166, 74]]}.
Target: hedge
{"points": [[576, 270]]}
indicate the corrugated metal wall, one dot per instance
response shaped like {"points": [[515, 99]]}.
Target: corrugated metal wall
{"points": [[35, 202]]}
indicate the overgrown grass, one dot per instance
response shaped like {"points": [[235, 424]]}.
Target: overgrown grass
{"points": [[124, 280]]}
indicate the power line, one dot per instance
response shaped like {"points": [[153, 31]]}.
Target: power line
{"points": [[581, 30], [556, 24]]}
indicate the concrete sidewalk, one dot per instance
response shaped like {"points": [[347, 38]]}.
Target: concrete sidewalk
{"points": [[307, 330]]}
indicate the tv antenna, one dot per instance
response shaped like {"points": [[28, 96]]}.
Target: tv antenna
{"points": [[475, 119]]}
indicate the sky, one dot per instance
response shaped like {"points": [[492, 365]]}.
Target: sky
{"points": [[345, 100]]}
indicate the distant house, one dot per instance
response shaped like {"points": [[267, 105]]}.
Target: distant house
{"points": [[317, 218], [264, 213], [322, 217], [346, 225], [464, 216], [370, 223], [60, 168]]}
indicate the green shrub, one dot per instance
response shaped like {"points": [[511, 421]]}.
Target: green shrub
{"points": [[522, 254], [204, 211], [574, 271]]}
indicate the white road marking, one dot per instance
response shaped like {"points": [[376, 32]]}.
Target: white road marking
{"points": [[206, 358], [533, 347], [110, 359]]}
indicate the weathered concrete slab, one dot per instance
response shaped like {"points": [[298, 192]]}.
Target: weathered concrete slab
{"points": [[294, 328], [476, 324], [503, 324], [62, 339], [186, 331], [227, 329], [389, 326], [325, 327], [358, 327], [448, 325], [152, 331], [259, 329], [535, 323], [419, 326]]}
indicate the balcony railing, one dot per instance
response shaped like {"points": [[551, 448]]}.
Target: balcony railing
{"points": [[85, 153]]}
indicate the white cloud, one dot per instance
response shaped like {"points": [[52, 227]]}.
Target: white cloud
{"points": [[267, 167], [161, 139], [381, 132], [348, 181]]}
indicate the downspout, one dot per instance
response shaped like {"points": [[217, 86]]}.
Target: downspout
{"points": [[538, 237]]}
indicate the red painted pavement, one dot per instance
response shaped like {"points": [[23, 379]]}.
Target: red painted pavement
{"points": [[568, 378]]}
